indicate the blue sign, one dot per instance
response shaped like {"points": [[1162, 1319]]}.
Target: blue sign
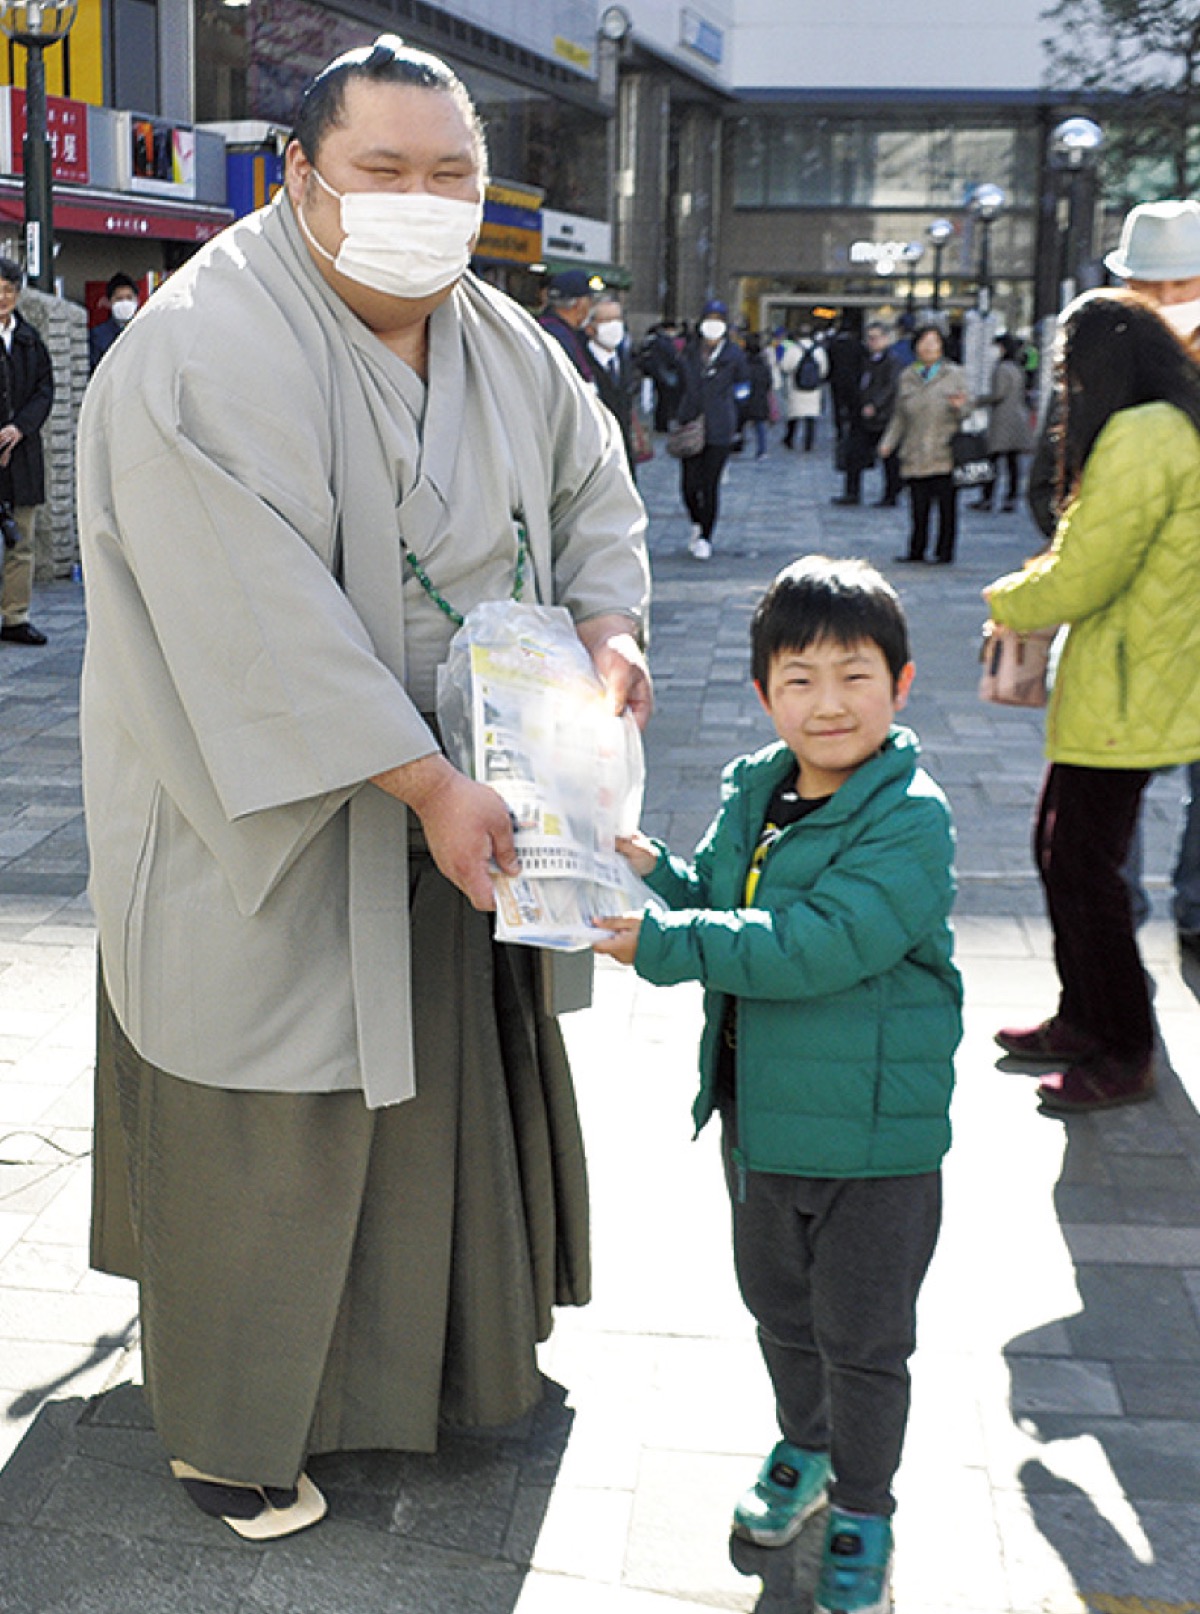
{"points": [[702, 36]]}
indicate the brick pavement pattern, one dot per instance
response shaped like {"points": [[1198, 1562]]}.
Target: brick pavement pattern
{"points": [[1053, 1464]]}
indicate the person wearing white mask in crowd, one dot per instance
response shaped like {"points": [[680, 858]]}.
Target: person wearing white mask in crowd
{"points": [[336, 1137], [123, 300], [615, 374], [716, 380]]}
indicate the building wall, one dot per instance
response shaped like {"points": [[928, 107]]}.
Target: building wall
{"points": [[912, 45], [662, 25]]}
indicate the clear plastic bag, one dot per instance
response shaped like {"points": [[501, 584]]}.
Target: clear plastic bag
{"points": [[522, 709]]}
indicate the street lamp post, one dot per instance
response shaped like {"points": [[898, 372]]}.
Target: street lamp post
{"points": [[986, 203], [939, 233], [36, 26], [1075, 146], [913, 253]]}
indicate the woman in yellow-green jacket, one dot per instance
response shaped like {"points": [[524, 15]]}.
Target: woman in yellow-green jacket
{"points": [[1124, 573]]}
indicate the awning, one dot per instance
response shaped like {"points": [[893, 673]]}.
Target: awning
{"points": [[612, 274], [113, 213]]}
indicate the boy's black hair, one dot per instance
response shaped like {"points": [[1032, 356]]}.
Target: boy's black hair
{"points": [[816, 598]]}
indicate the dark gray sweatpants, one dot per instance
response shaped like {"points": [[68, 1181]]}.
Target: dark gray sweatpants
{"points": [[830, 1270]]}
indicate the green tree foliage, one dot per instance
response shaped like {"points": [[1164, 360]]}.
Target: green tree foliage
{"points": [[1138, 61]]}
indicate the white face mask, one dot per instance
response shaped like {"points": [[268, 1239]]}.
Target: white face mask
{"points": [[712, 330], [403, 244], [610, 333], [1183, 318], [123, 310]]}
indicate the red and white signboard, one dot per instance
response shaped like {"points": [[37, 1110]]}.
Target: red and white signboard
{"points": [[67, 130]]}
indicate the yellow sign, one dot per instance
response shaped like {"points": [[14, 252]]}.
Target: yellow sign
{"points": [[506, 194], [578, 55], [512, 245]]}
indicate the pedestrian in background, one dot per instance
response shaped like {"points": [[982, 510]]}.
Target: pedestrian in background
{"points": [[660, 360], [876, 401], [568, 304], [616, 375], [816, 917], [716, 382], [846, 354], [1009, 432], [756, 410], [1159, 258], [1124, 574], [803, 369], [123, 301], [336, 1134], [931, 401], [26, 397]]}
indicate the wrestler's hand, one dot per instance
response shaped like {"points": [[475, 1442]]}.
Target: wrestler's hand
{"points": [[618, 659], [621, 942], [466, 824]]}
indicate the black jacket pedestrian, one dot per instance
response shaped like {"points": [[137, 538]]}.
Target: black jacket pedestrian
{"points": [[660, 360], [758, 405], [617, 390], [875, 403], [712, 382], [26, 394]]}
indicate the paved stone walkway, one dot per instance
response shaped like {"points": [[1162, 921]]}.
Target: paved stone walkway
{"points": [[1053, 1464]]}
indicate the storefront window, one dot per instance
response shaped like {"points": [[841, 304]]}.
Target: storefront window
{"points": [[542, 141], [797, 161], [254, 62]]}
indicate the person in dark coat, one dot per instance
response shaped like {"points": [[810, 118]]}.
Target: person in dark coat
{"points": [[26, 394], [846, 359], [876, 400], [660, 360], [716, 380], [122, 294], [568, 304], [615, 372], [756, 411]]}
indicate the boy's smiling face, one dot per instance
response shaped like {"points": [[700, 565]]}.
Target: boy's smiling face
{"points": [[832, 705]]}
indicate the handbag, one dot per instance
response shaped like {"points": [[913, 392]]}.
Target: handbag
{"points": [[972, 467], [643, 448], [1015, 665], [685, 438]]}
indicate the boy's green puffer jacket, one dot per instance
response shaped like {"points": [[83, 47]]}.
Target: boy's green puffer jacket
{"points": [[849, 1007], [1125, 573]]}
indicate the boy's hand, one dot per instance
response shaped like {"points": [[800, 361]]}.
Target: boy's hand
{"points": [[622, 941], [641, 854]]}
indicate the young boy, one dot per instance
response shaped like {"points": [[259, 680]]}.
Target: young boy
{"points": [[816, 916]]}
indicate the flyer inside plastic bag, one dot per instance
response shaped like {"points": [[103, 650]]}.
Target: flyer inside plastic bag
{"points": [[522, 709]]}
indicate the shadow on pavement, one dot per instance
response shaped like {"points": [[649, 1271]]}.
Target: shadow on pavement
{"points": [[1112, 1391], [788, 1574], [91, 1519]]}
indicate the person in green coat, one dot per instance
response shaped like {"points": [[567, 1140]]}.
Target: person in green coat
{"points": [[816, 915], [1124, 573]]}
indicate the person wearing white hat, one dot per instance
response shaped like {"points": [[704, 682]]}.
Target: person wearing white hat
{"points": [[1159, 257]]}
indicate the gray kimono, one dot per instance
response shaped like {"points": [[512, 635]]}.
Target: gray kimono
{"points": [[250, 456]]}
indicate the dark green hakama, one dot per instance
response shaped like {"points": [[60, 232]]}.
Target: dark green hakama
{"points": [[317, 1276]]}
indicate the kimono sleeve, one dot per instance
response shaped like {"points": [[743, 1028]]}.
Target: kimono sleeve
{"points": [[210, 527]]}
